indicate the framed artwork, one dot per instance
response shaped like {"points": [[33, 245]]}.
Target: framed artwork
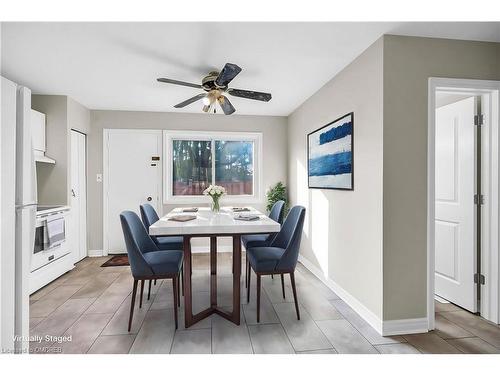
{"points": [[330, 150]]}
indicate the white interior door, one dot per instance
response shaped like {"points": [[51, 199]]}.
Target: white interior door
{"points": [[132, 176], [79, 194], [455, 213]]}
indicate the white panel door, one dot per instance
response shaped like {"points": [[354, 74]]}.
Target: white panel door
{"points": [[133, 177], [78, 195], [455, 213]]}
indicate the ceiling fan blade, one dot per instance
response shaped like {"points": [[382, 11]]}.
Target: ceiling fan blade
{"points": [[227, 74], [189, 101], [181, 83], [247, 94], [226, 105]]}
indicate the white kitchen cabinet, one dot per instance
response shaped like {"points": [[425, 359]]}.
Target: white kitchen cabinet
{"points": [[38, 130]]}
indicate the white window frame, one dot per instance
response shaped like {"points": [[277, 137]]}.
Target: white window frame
{"points": [[170, 135]]}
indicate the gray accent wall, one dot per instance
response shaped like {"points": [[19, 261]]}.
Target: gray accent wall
{"points": [[408, 64], [62, 115], [274, 146], [372, 241], [53, 179], [343, 229]]}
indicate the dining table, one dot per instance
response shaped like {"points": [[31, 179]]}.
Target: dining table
{"points": [[210, 224]]}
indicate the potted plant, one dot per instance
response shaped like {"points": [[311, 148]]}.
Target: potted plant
{"points": [[277, 193], [215, 192]]}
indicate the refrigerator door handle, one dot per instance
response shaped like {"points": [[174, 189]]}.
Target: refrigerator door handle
{"points": [[32, 231], [34, 190]]}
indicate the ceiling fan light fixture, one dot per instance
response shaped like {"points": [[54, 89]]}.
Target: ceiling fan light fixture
{"points": [[215, 84], [210, 98]]}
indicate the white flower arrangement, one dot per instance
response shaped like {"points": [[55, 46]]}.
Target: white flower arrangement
{"points": [[215, 192]]}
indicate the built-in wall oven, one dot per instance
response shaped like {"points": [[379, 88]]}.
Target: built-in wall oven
{"points": [[50, 238]]}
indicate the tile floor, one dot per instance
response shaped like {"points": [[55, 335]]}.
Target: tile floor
{"points": [[91, 304]]}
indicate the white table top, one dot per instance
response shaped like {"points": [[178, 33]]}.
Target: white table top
{"points": [[207, 222]]}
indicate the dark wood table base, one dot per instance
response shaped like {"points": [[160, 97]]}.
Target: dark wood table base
{"points": [[233, 316]]}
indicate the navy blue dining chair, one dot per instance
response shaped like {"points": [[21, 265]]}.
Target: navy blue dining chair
{"points": [[279, 256], [259, 240], [149, 217], [147, 262]]}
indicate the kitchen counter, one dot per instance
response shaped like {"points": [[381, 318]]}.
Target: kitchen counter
{"points": [[46, 209]]}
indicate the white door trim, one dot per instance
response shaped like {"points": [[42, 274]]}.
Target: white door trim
{"points": [[105, 174], [105, 168], [83, 197], [489, 305]]}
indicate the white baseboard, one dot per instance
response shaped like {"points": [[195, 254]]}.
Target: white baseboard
{"points": [[94, 253], [405, 326], [385, 328], [348, 298]]}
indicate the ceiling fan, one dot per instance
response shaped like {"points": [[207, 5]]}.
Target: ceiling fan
{"points": [[216, 85]]}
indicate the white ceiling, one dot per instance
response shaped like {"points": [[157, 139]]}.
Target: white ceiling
{"points": [[115, 65]]}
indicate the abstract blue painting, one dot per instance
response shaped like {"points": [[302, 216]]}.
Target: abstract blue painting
{"points": [[330, 155]]}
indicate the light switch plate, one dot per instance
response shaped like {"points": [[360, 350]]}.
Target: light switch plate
{"points": [[99, 177]]}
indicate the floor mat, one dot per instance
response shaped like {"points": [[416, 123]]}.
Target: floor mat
{"points": [[117, 260]]}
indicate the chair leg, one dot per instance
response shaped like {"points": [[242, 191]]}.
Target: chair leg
{"points": [[283, 284], [248, 289], [258, 298], [272, 277], [149, 289], [249, 270], [178, 291], [246, 272], [142, 291], [292, 279], [175, 283], [182, 279], [155, 281], [132, 304]]}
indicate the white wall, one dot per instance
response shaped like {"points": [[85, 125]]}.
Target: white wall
{"points": [[274, 148], [343, 229]]}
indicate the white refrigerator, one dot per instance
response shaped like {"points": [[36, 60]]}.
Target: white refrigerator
{"points": [[18, 214]]}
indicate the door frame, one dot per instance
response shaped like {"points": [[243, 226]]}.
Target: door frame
{"points": [[490, 181], [85, 196], [105, 173]]}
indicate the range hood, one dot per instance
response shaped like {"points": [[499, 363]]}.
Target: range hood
{"points": [[41, 158]]}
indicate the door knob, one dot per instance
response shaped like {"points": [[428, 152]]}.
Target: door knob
{"points": [[150, 199]]}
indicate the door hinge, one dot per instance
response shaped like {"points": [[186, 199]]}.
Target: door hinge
{"points": [[479, 199], [479, 279], [478, 120]]}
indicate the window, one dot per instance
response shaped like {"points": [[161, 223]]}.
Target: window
{"points": [[192, 166], [194, 160], [234, 166]]}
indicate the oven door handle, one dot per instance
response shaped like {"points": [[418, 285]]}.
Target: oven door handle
{"points": [[55, 246]]}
